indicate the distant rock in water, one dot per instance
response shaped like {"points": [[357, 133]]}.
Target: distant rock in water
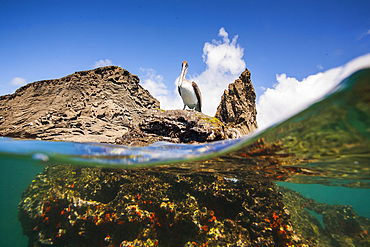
{"points": [[96, 106], [237, 109]]}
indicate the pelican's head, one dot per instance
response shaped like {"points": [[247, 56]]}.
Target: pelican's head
{"points": [[185, 64]]}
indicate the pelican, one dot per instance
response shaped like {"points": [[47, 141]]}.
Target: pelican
{"points": [[189, 91]]}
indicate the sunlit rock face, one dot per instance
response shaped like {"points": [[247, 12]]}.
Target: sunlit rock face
{"points": [[94, 106], [237, 108], [108, 105]]}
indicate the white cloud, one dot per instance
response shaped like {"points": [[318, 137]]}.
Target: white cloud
{"points": [[154, 84], [320, 67], [102, 63], [18, 81], [224, 64], [289, 95], [364, 34], [224, 60]]}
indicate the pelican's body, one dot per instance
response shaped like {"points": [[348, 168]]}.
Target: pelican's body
{"points": [[187, 94], [189, 91]]}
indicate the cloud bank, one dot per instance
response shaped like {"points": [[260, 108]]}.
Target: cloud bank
{"points": [[289, 95], [224, 63], [102, 63]]}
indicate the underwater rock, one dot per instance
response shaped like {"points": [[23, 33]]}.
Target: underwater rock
{"points": [[237, 108], [227, 201], [75, 206]]}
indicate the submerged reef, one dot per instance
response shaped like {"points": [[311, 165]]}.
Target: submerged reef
{"points": [[75, 206], [229, 200], [224, 201]]}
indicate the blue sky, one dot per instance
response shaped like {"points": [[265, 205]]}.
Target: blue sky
{"points": [[51, 39]]}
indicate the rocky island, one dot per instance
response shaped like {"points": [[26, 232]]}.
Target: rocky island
{"points": [[225, 201], [108, 105]]}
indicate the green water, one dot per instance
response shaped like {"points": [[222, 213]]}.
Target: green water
{"points": [[323, 153], [15, 176], [359, 199]]}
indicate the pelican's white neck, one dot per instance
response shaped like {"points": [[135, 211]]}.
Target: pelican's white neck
{"points": [[183, 74]]}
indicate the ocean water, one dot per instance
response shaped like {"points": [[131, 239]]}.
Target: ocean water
{"points": [[323, 153]]}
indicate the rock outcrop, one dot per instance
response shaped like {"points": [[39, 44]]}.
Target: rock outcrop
{"points": [[108, 105], [95, 106], [237, 109], [176, 126]]}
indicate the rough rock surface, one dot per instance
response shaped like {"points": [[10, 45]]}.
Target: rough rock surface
{"points": [[74, 206], [96, 106], [228, 200], [176, 126], [237, 108], [101, 105], [224, 201]]}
